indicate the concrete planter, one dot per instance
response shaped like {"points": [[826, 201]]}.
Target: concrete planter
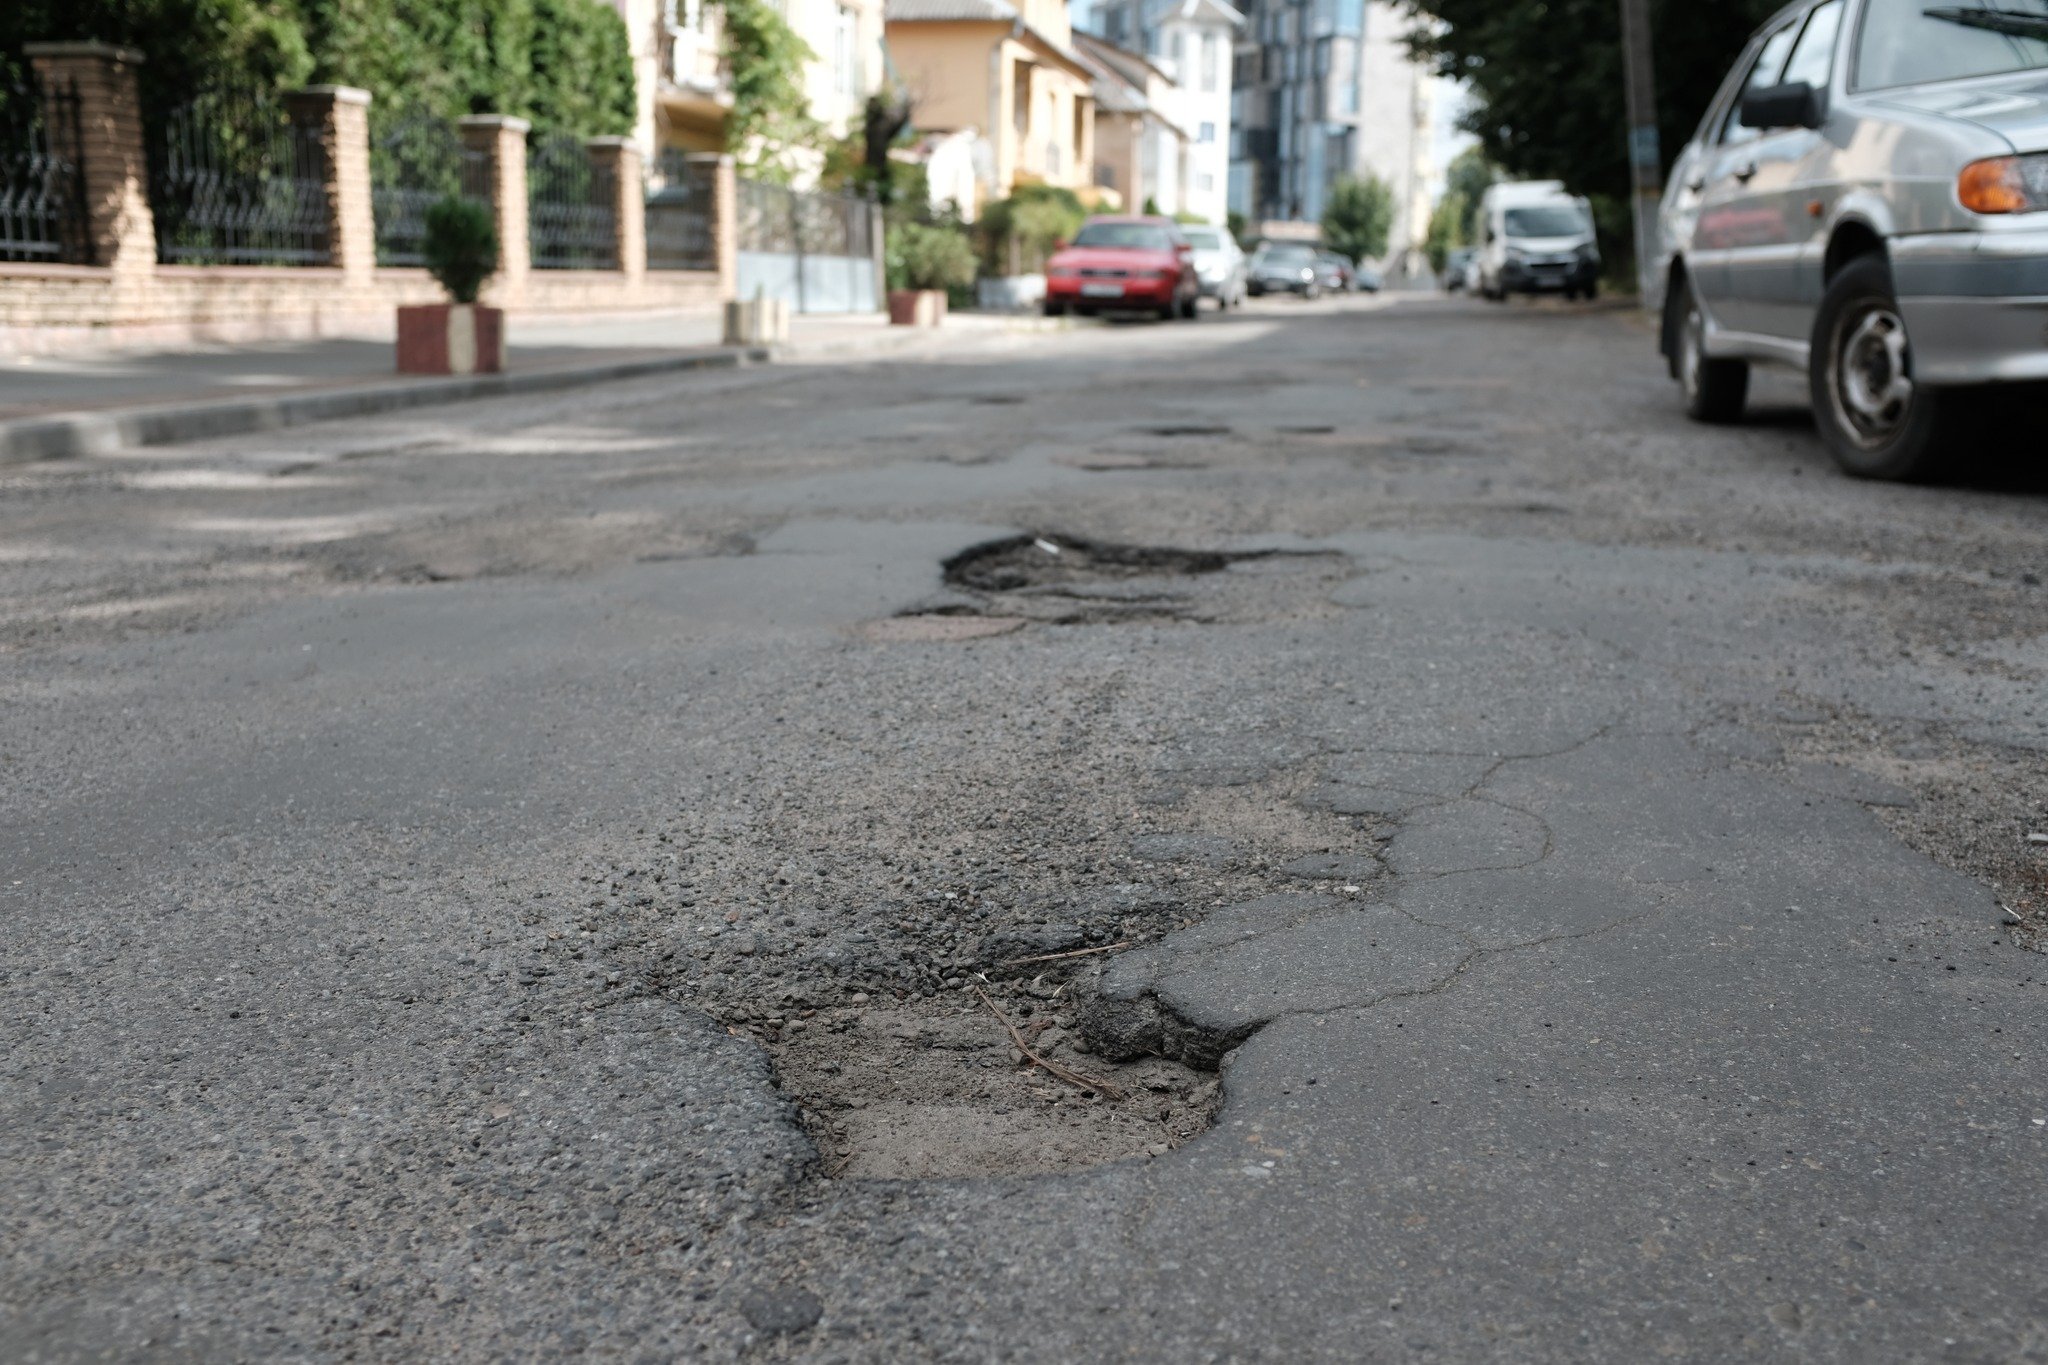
{"points": [[916, 307], [1009, 293], [760, 321], [450, 338]]}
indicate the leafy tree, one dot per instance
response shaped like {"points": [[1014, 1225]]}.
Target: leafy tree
{"points": [[1446, 229], [564, 64], [770, 111], [1454, 222], [1019, 232], [1546, 76], [1358, 216]]}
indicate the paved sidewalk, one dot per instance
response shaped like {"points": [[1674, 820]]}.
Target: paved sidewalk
{"points": [[57, 406]]}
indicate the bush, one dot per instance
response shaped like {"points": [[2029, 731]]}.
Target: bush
{"points": [[929, 256], [461, 246], [1018, 233], [1358, 217]]}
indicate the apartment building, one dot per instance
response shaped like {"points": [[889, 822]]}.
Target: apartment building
{"points": [[1191, 43], [1325, 89]]}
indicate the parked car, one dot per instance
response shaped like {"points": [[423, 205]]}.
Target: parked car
{"points": [[1219, 264], [1335, 271], [1867, 201], [1367, 278], [1534, 238], [1455, 266], [1124, 264], [1284, 268]]}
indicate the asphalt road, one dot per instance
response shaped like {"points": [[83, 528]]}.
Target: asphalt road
{"points": [[520, 880]]}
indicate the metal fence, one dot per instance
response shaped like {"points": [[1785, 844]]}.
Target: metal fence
{"points": [[42, 188], [815, 249], [233, 180], [571, 207], [679, 230], [415, 162]]}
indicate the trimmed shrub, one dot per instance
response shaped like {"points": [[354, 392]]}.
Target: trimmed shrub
{"points": [[461, 246], [929, 256]]}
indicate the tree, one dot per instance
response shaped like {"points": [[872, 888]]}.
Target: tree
{"points": [[563, 64], [770, 110], [1454, 220], [1358, 216], [1547, 78]]}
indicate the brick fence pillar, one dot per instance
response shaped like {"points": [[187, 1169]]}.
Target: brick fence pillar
{"points": [[725, 223], [114, 167], [502, 140], [620, 158], [341, 116]]}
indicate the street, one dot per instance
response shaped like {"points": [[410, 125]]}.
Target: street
{"points": [[1493, 871]]}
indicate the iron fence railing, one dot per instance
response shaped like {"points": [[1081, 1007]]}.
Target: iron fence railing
{"points": [[817, 223], [415, 162], [234, 180], [42, 184], [679, 230], [572, 207]]}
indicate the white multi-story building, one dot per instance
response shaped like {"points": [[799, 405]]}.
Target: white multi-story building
{"points": [[1191, 43]]}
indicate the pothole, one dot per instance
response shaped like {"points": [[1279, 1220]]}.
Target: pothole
{"points": [[1047, 561]]}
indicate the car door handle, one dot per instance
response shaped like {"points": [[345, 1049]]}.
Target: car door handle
{"points": [[1746, 173], [1696, 184]]}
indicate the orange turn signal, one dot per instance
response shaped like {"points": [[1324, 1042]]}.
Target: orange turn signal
{"points": [[1994, 186]]}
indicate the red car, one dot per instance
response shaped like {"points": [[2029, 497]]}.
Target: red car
{"points": [[1116, 265]]}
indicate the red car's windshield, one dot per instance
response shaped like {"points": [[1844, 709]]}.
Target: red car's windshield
{"points": [[1136, 236]]}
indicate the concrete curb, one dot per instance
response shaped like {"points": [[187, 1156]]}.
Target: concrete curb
{"points": [[70, 435]]}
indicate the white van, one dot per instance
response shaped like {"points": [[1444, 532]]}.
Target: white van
{"points": [[1536, 239]]}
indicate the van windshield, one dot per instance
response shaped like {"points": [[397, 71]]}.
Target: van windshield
{"points": [[1906, 42], [1203, 239], [1546, 220]]}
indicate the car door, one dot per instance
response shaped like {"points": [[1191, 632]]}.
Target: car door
{"points": [[1767, 278], [1726, 222]]}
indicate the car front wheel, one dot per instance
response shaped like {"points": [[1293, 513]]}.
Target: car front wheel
{"points": [[1715, 390], [1878, 423]]}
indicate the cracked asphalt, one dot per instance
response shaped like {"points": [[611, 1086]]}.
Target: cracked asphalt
{"points": [[505, 882]]}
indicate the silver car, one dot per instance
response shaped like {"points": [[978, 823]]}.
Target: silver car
{"points": [[1219, 264], [1867, 200]]}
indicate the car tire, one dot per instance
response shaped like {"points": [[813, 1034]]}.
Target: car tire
{"points": [[1311, 292], [1055, 310], [1592, 292], [1168, 312], [1715, 390], [1877, 422], [1191, 308]]}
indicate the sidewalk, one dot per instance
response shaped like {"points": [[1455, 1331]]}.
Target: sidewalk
{"points": [[52, 407]]}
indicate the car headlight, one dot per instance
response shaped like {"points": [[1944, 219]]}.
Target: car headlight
{"points": [[1516, 253], [1307, 274], [2005, 184]]}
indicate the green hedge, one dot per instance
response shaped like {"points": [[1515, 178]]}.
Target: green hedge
{"points": [[564, 64]]}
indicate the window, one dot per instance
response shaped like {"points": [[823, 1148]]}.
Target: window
{"points": [[1770, 62], [1350, 18], [1813, 60], [1206, 133], [1205, 182], [1907, 43], [1211, 46], [846, 52]]}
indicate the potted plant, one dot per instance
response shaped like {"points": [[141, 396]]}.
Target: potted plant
{"points": [[925, 261], [461, 336]]}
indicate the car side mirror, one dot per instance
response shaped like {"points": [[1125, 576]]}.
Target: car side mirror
{"points": [[1798, 105]]}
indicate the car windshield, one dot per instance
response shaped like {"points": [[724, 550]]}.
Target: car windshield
{"points": [[1546, 220], [1141, 236], [1204, 239], [1906, 42], [1286, 255]]}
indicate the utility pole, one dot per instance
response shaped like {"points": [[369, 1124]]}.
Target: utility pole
{"points": [[1645, 157]]}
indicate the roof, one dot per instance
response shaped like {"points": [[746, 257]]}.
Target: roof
{"points": [[941, 11], [1214, 11]]}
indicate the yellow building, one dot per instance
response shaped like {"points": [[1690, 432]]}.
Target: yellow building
{"points": [[1007, 72]]}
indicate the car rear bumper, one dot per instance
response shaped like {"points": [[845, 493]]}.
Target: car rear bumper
{"points": [[1975, 303]]}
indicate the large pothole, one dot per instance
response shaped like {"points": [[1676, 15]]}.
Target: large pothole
{"points": [[1055, 579]]}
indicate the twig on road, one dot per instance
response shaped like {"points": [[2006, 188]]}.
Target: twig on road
{"points": [[1055, 957], [1065, 1073]]}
